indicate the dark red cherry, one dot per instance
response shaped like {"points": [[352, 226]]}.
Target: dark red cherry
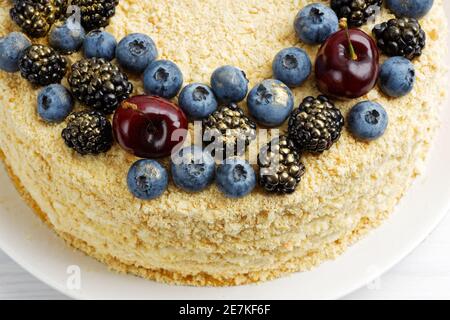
{"points": [[149, 126], [341, 74]]}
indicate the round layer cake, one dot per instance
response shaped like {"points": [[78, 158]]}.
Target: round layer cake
{"points": [[206, 238]]}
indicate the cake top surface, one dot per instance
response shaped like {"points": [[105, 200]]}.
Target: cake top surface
{"points": [[199, 36]]}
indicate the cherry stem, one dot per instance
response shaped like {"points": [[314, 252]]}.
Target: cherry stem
{"points": [[344, 25]]}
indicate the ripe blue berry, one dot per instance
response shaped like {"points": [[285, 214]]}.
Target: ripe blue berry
{"points": [[367, 121], [397, 77], [235, 178], [197, 101], [67, 36], [11, 48], [410, 8], [315, 23], [55, 103], [147, 179], [193, 169], [270, 103], [292, 66], [99, 44], [135, 52], [163, 78], [230, 84]]}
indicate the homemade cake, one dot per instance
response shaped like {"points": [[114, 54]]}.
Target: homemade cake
{"points": [[206, 238]]}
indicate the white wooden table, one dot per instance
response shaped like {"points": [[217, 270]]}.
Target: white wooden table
{"points": [[425, 274]]}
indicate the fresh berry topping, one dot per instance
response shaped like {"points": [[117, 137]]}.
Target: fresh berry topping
{"points": [[198, 101], [230, 84], [35, 17], [193, 169], [228, 131], [357, 12], [316, 125], [55, 103], [270, 103], [410, 8], [367, 121], [12, 47], [280, 166], [149, 126], [88, 132], [400, 37], [147, 179], [315, 23], [235, 178], [96, 13], [292, 66], [347, 64], [135, 52], [163, 78], [99, 44], [397, 77], [99, 84], [67, 36], [41, 65]]}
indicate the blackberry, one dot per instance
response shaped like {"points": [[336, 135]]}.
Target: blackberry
{"points": [[316, 125], [229, 130], [35, 17], [95, 14], [280, 166], [99, 84], [400, 37], [88, 132], [357, 12], [41, 65]]}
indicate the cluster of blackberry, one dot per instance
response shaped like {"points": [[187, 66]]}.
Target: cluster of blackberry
{"points": [[313, 127], [95, 82], [36, 17], [357, 12], [100, 85], [402, 36], [230, 130], [96, 14]]}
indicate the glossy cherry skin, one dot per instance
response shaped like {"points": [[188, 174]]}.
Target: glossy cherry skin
{"points": [[340, 76], [145, 126]]}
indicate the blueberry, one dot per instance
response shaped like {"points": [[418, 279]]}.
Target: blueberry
{"points": [[292, 66], [11, 48], [193, 169], [55, 103], [230, 84], [135, 52], [197, 101], [235, 178], [410, 8], [99, 44], [367, 121], [67, 36], [397, 77], [147, 179], [270, 103], [163, 78], [315, 23]]}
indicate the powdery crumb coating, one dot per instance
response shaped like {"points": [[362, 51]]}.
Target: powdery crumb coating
{"points": [[204, 238]]}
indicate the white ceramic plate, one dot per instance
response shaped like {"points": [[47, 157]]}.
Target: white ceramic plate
{"points": [[32, 245]]}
